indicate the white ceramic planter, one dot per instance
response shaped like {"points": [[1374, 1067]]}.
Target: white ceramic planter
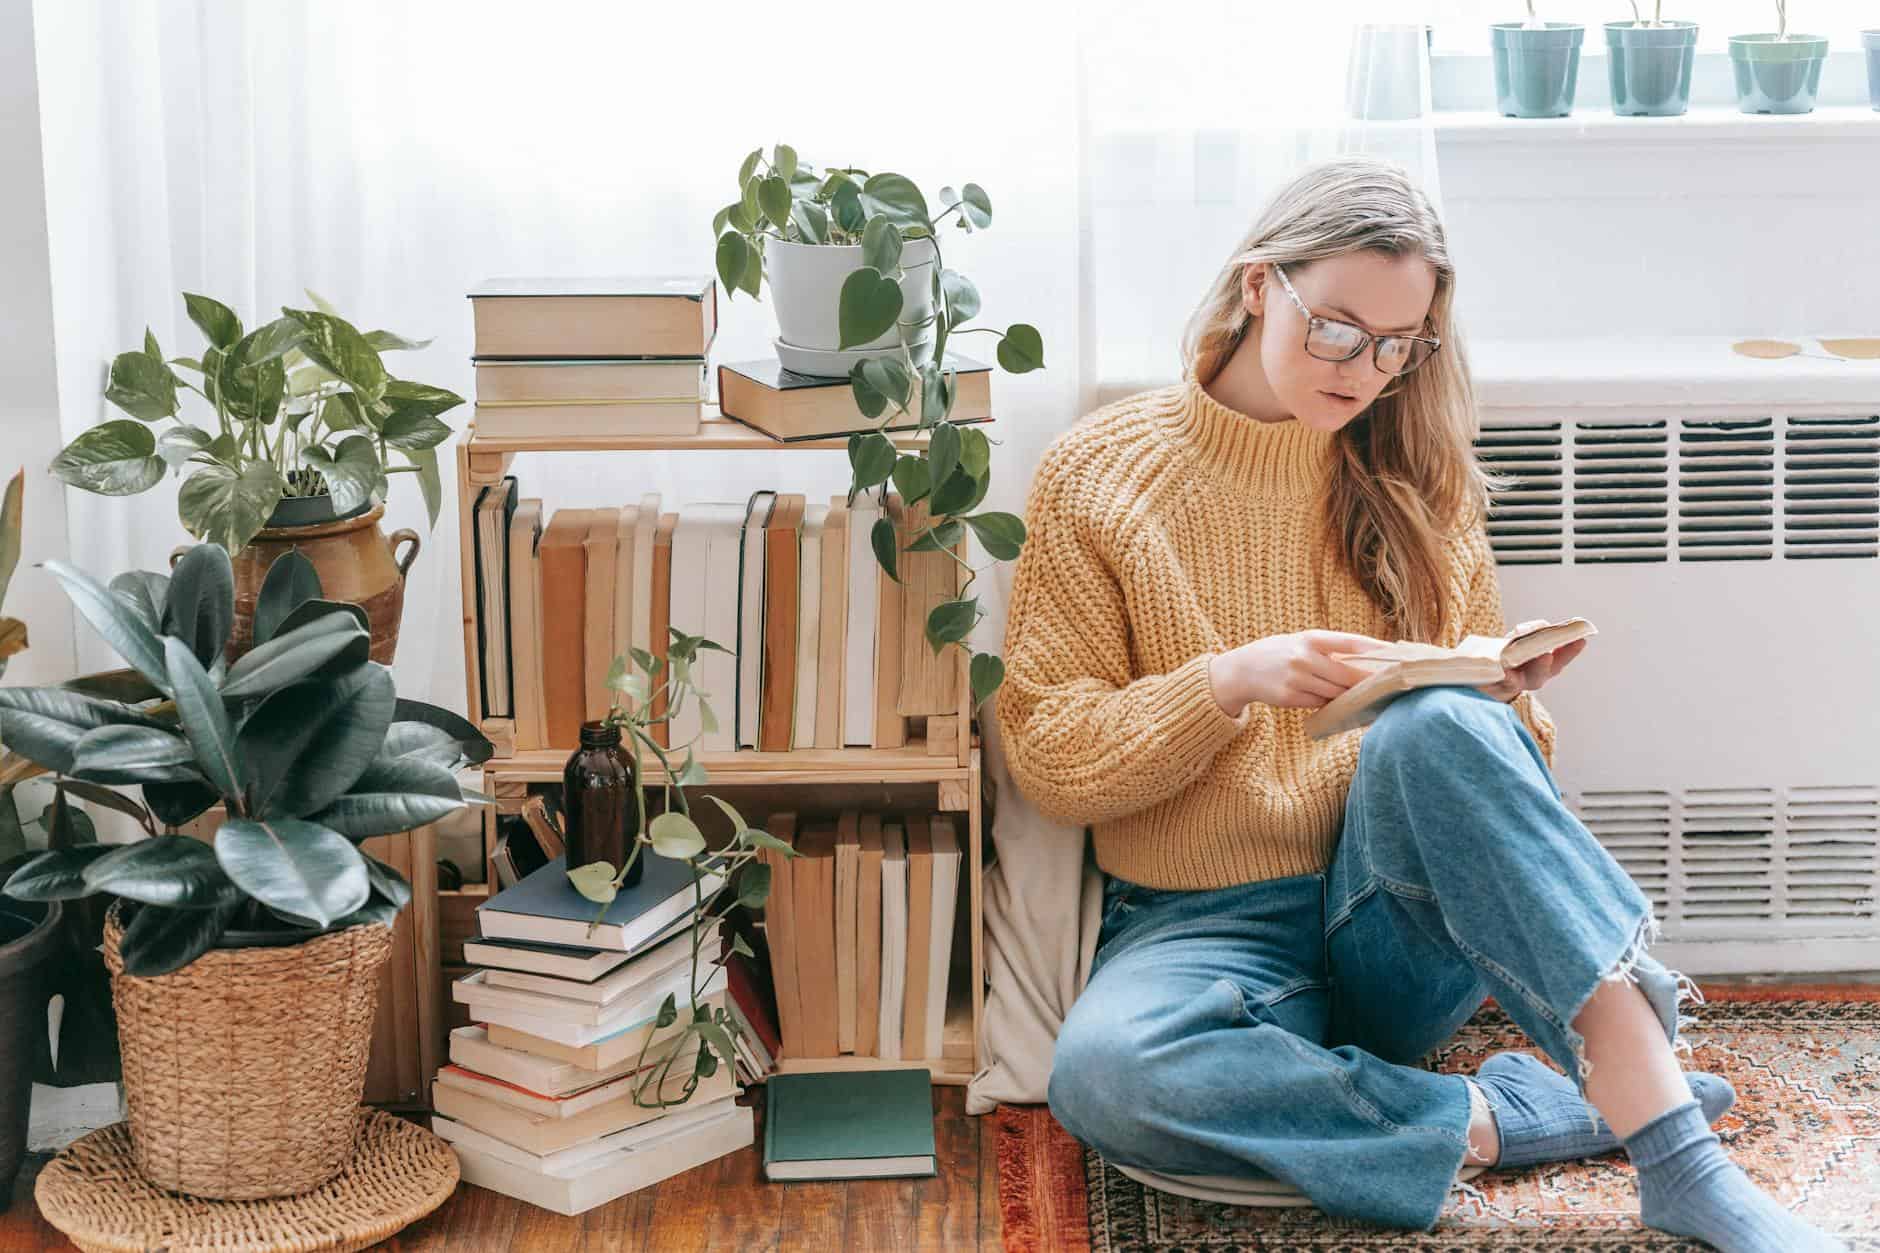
{"points": [[806, 284]]}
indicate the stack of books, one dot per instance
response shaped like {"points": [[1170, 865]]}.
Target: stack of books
{"points": [[553, 1091], [825, 650], [791, 407], [861, 924], [558, 358]]}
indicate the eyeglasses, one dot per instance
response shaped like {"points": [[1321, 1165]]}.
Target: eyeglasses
{"points": [[1331, 340]]}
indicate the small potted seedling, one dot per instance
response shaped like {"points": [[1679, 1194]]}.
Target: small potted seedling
{"points": [[1650, 64], [1537, 66], [1777, 72]]}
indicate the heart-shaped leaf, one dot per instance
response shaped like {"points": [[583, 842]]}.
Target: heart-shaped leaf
{"points": [[871, 458], [595, 881], [116, 458], [160, 940], [950, 621], [883, 539], [1003, 534], [754, 885], [869, 305], [226, 508], [142, 387], [300, 867], [336, 346], [896, 197], [205, 720], [732, 256], [216, 319], [174, 870], [976, 205], [881, 245], [960, 297], [956, 494], [986, 673], [943, 451], [1022, 349], [405, 396], [773, 197], [177, 444], [676, 836]]}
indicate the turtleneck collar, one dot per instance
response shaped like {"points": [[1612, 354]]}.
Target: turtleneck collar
{"points": [[1275, 459]]}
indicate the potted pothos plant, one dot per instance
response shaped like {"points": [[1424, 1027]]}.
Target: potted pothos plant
{"points": [[244, 967], [863, 292], [297, 449], [29, 930]]}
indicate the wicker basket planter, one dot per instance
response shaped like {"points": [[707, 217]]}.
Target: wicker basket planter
{"points": [[243, 1070]]}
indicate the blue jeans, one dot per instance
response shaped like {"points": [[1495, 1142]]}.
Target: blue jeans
{"points": [[1271, 1029]]}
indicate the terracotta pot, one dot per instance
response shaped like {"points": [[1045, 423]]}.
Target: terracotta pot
{"points": [[356, 564], [243, 1070]]}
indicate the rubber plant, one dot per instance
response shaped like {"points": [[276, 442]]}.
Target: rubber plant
{"points": [[784, 197], [302, 406], [304, 741]]}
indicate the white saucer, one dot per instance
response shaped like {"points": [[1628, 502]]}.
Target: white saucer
{"points": [[827, 363]]}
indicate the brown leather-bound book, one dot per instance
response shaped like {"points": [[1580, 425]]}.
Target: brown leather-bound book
{"points": [[783, 556], [929, 680], [868, 939], [890, 727], [832, 639], [564, 614], [919, 937], [813, 891], [597, 631], [848, 901], [661, 635], [780, 933]]}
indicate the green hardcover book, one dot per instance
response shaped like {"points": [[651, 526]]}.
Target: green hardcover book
{"points": [[851, 1124]]}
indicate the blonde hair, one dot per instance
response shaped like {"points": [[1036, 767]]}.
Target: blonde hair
{"points": [[1404, 477]]}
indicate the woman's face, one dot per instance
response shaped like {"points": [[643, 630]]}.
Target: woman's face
{"points": [[1381, 293]]}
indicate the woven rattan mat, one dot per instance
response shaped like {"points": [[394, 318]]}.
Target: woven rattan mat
{"points": [[398, 1173]]}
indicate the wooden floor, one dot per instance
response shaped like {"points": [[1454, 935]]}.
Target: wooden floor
{"points": [[723, 1205]]}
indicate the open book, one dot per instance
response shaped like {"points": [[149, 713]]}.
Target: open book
{"points": [[1403, 666]]}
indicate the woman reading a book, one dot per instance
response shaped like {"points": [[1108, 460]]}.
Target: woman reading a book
{"points": [[1290, 924]]}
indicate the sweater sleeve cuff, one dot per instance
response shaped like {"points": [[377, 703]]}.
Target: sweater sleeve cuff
{"points": [[1192, 723]]}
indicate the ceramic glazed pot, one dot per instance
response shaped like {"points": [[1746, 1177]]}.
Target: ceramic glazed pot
{"points": [[1536, 71], [1650, 67]]}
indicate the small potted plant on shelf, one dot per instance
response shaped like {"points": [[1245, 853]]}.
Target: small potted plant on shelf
{"points": [[244, 968], [1777, 72], [29, 930], [1537, 66], [296, 451], [863, 292], [1649, 64]]}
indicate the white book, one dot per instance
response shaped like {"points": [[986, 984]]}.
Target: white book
{"points": [[893, 935], [572, 1161], [858, 708], [946, 882], [652, 966], [695, 538], [470, 1048], [489, 1088], [808, 618], [750, 638], [641, 629], [626, 525], [615, 1174], [716, 673], [627, 1016]]}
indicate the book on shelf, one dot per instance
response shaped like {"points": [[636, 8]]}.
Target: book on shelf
{"points": [[562, 630], [858, 683], [808, 625], [575, 1188], [780, 930], [494, 507], [832, 624], [718, 672], [890, 603], [659, 626], [812, 891], [572, 398], [1405, 665], [868, 935], [788, 406], [525, 624], [848, 856], [849, 1125], [747, 637], [637, 630], [545, 907], [779, 637], [928, 682], [920, 935], [946, 855], [597, 619], [894, 937], [634, 316]]}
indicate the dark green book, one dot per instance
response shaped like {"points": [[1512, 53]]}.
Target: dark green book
{"points": [[849, 1124]]}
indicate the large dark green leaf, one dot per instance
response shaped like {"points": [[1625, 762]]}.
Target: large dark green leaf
{"points": [[173, 870], [430, 482], [124, 685], [142, 387], [335, 345], [205, 720], [871, 457], [216, 319], [352, 471], [305, 869], [405, 396], [290, 580], [987, 673], [943, 451], [45, 724], [66, 825], [1022, 349], [373, 911], [145, 592], [120, 627], [313, 610], [393, 795], [177, 803], [882, 537], [293, 655], [387, 883], [110, 799], [116, 458], [422, 741], [1002, 534], [950, 621], [307, 744], [476, 748], [956, 494], [227, 508], [732, 256], [160, 940], [200, 608], [129, 754], [58, 875], [411, 429]]}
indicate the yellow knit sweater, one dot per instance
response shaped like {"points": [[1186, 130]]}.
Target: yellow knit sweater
{"points": [[1167, 528]]}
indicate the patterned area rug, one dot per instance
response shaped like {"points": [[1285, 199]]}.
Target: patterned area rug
{"points": [[1804, 1059]]}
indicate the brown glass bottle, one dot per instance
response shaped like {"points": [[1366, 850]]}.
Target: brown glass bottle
{"points": [[600, 817]]}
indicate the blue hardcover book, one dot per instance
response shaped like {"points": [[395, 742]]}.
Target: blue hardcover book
{"points": [[546, 909]]}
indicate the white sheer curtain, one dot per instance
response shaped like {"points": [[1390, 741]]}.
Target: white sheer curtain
{"points": [[390, 154]]}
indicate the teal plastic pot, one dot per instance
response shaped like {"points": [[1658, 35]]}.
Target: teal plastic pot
{"points": [[1536, 70], [1651, 67], [1777, 76], [1870, 40]]}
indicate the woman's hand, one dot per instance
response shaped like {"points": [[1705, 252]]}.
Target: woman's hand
{"points": [[1535, 673], [1294, 670]]}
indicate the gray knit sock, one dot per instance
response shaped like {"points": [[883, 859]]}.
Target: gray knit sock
{"points": [[1687, 1186], [1540, 1115]]}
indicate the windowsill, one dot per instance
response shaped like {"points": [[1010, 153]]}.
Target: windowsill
{"points": [[1669, 371], [1701, 124]]}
